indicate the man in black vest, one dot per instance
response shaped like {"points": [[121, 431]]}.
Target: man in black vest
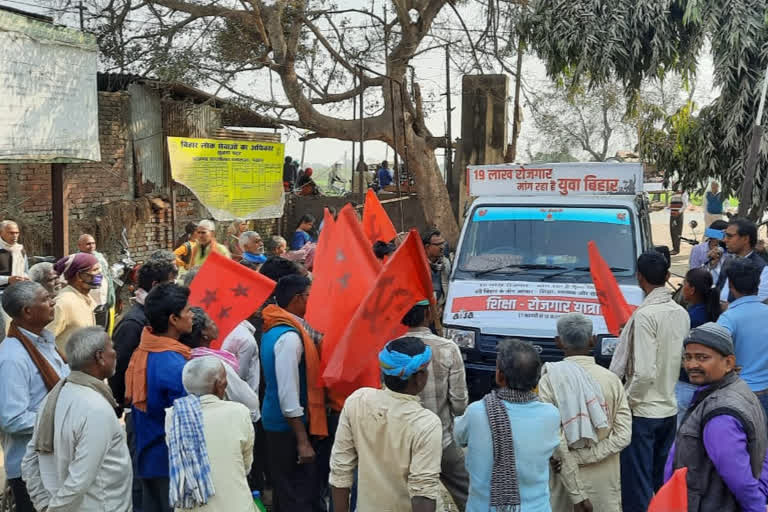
{"points": [[13, 261], [740, 240], [723, 437]]}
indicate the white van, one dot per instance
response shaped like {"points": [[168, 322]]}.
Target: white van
{"points": [[522, 259]]}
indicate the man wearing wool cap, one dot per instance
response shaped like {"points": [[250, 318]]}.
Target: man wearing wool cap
{"points": [[723, 437]]}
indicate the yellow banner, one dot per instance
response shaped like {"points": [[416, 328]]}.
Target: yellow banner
{"points": [[232, 178]]}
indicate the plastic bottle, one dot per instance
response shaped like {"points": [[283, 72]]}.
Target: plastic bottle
{"points": [[257, 501]]}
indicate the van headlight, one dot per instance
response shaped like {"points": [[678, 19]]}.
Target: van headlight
{"points": [[461, 337]]}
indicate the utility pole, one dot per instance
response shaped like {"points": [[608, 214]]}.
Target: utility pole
{"points": [[354, 148], [82, 20], [386, 71], [309, 97], [361, 167], [517, 120], [449, 137], [517, 114]]}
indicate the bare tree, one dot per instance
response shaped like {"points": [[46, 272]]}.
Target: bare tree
{"points": [[591, 121], [301, 62]]}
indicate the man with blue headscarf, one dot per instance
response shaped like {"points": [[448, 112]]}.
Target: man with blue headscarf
{"points": [[394, 443]]}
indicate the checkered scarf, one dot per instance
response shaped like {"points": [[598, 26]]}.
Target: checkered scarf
{"points": [[505, 488], [190, 471]]}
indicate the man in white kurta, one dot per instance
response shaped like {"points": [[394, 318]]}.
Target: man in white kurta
{"points": [[598, 462], [85, 465], [228, 434]]}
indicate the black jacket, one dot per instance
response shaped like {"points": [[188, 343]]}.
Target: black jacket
{"points": [[126, 339]]}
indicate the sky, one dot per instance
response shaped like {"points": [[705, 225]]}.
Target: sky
{"points": [[430, 73]]}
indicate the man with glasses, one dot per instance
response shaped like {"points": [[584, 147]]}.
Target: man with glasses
{"points": [[440, 266], [740, 240], [293, 414]]}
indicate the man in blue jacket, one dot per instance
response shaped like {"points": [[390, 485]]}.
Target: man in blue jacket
{"points": [[153, 382], [747, 320], [126, 339]]}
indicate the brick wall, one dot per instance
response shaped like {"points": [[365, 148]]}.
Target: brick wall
{"points": [[100, 194], [102, 198], [110, 180]]}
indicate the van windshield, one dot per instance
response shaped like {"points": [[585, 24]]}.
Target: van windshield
{"points": [[531, 242]]}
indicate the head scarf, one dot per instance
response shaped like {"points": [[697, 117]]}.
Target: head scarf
{"points": [[397, 364], [73, 264]]}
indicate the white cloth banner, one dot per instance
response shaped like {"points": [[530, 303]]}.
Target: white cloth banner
{"points": [[49, 106]]}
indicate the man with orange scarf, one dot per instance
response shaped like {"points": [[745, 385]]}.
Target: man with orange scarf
{"points": [[294, 401], [153, 382]]}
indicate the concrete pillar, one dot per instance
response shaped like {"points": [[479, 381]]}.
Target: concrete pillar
{"points": [[483, 129]]}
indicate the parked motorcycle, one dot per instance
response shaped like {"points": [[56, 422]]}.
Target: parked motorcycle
{"points": [[123, 274], [695, 240], [677, 291]]}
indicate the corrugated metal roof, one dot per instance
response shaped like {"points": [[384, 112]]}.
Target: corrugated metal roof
{"points": [[232, 114]]}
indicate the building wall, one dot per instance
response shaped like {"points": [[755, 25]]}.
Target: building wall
{"points": [[101, 195]]}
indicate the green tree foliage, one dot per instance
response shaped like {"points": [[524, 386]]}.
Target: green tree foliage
{"points": [[596, 41]]}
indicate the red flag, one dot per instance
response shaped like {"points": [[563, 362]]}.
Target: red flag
{"points": [[673, 496], [345, 268], [344, 273], [228, 292], [376, 222], [404, 281], [615, 309], [322, 277]]}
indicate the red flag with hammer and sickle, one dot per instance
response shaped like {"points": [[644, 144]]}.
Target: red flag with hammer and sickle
{"points": [[404, 281], [345, 268], [376, 223], [228, 292]]}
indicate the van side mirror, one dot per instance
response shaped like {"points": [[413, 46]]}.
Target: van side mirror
{"points": [[663, 249]]}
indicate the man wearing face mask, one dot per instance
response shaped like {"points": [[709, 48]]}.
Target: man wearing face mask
{"points": [[86, 465], [104, 295], [723, 437], [74, 304]]}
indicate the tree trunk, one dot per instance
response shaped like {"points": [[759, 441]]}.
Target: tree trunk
{"points": [[433, 194]]}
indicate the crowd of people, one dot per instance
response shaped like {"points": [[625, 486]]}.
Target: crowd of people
{"points": [[154, 418]]}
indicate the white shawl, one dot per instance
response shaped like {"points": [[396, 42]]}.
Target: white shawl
{"points": [[581, 402]]}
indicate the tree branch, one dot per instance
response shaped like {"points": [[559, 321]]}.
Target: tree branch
{"points": [[329, 48]]}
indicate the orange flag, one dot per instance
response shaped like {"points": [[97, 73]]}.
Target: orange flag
{"points": [[228, 292], [673, 496], [404, 281], [344, 271], [376, 222], [344, 274], [322, 277], [614, 306]]}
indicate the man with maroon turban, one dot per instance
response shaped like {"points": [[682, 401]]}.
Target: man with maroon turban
{"points": [[74, 305]]}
